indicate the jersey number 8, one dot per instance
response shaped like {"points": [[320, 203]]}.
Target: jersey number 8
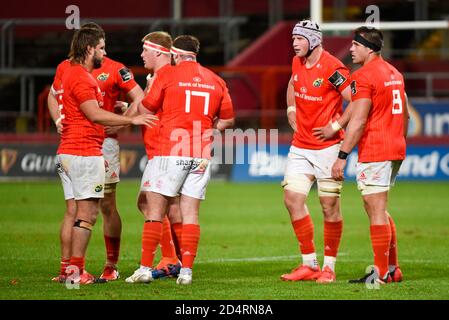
{"points": [[397, 102]]}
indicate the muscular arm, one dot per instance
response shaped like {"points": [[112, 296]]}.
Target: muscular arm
{"points": [[327, 132], [97, 115], [142, 110], [290, 97], [135, 95], [344, 119], [354, 131], [356, 125]]}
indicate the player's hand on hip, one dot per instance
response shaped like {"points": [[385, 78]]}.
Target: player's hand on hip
{"points": [[58, 124], [324, 133], [338, 169], [147, 119]]}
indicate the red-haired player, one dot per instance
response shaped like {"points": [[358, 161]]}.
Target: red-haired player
{"points": [[156, 56], [192, 100]]}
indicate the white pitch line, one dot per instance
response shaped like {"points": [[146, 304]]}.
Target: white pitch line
{"points": [[253, 259], [342, 256]]}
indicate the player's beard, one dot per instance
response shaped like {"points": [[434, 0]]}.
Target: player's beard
{"points": [[97, 62]]}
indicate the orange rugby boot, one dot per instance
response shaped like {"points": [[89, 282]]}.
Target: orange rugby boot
{"points": [[327, 276], [396, 275], [302, 273], [110, 273]]}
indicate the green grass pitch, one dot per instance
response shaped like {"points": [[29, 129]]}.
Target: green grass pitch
{"points": [[246, 243]]}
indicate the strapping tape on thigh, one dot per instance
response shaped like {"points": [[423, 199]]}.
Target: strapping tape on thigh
{"points": [[110, 187], [365, 190], [299, 183], [329, 187]]}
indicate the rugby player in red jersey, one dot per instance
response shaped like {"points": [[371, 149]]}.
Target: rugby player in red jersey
{"points": [[191, 100], [156, 56], [79, 157], [315, 93], [378, 124], [112, 78]]}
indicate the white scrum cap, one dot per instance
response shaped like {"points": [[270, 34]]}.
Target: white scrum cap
{"points": [[309, 30]]}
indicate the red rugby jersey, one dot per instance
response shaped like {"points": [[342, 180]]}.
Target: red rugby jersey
{"points": [[383, 138], [318, 98], [56, 87], [189, 97], [80, 136], [113, 78], [150, 135]]}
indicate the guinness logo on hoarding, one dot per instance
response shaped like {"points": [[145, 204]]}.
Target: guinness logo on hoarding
{"points": [[8, 158], [127, 160]]}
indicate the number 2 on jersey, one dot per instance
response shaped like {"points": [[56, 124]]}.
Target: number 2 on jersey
{"points": [[206, 96], [397, 102]]}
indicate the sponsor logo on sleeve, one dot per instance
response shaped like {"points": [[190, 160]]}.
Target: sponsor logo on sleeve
{"points": [[126, 74], [337, 79]]}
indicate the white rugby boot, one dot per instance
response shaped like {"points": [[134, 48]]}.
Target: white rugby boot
{"points": [[185, 276], [143, 275]]}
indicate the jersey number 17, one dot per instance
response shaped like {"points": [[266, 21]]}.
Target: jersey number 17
{"points": [[205, 95]]}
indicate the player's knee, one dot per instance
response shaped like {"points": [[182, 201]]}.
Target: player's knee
{"points": [[142, 203], [299, 183], [370, 206], [331, 209], [108, 208], [174, 215], [70, 213], [295, 205], [190, 218], [70, 208], [329, 188], [289, 201]]}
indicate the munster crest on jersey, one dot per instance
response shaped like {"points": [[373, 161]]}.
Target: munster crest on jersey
{"points": [[103, 76], [317, 83]]}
